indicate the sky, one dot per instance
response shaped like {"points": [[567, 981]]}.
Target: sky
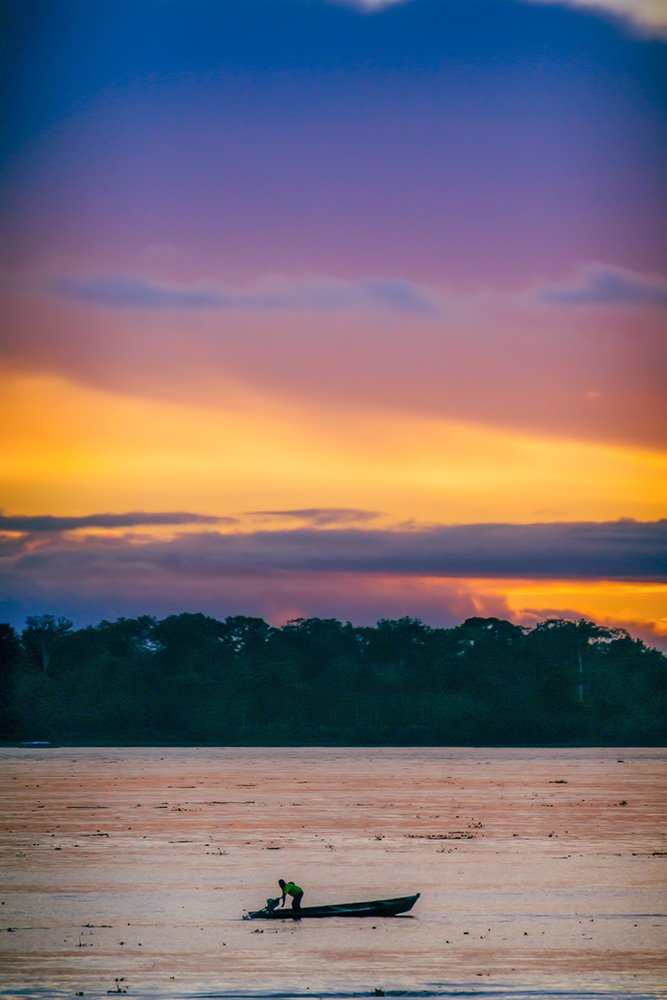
{"points": [[335, 308]]}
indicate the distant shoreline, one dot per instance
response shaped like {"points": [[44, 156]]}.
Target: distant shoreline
{"points": [[174, 745], [191, 680]]}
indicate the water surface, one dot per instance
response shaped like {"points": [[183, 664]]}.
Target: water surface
{"points": [[542, 872]]}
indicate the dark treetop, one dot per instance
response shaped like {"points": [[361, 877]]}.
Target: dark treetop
{"points": [[190, 679]]}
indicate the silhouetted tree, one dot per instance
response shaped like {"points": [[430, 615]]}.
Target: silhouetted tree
{"points": [[10, 659], [191, 678], [42, 638]]}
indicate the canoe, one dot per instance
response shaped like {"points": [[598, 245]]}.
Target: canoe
{"points": [[374, 908]]}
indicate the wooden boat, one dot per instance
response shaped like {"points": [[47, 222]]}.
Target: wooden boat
{"points": [[374, 908]]}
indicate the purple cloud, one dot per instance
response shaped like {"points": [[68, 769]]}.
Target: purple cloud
{"points": [[326, 295], [623, 550], [359, 574], [602, 285], [318, 516], [47, 523]]}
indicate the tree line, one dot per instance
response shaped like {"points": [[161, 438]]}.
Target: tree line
{"points": [[191, 679]]}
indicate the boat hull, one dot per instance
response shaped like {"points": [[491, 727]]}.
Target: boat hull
{"points": [[373, 908]]}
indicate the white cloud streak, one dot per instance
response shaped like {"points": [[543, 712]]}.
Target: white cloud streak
{"points": [[648, 17]]}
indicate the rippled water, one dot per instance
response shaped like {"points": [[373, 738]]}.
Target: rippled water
{"points": [[542, 872]]}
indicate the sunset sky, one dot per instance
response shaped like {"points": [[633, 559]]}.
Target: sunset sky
{"points": [[334, 308]]}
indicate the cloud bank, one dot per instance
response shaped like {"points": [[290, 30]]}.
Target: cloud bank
{"points": [[49, 524], [615, 550], [352, 573], [326, 295], [483, 358], [619, 550], [604, 285]]}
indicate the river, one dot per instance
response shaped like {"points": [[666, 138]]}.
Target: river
{"points": [[542, 872]]}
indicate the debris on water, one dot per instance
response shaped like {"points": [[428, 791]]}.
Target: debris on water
{"points": [[451, 835]]}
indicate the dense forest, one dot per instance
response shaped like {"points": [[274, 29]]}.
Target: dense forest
{"points": [[190, 679]]}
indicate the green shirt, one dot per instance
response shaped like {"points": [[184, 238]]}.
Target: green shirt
{"points": [[291, 889]]}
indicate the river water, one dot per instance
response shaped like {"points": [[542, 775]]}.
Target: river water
{"points": [[542, 872]]}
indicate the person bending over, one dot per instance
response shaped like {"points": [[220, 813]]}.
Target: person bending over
{"points": [[293, 890]]}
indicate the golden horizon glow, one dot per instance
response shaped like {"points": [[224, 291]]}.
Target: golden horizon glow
{"points": [[132, 452], [611, 601]]}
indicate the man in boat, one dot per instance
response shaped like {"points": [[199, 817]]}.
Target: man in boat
{"points": [[293, 890]]}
